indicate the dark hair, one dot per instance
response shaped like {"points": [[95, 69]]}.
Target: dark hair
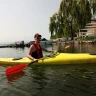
{"points": [[37, 35]]}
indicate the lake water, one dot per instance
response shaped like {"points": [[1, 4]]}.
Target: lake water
{"points": [[65, 80]]}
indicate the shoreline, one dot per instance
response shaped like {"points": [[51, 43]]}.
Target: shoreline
{"points": [[53, 43]]}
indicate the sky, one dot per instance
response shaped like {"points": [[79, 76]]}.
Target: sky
{"points": [[21, 19]]}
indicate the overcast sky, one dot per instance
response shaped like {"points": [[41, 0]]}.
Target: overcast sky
{"points": [[21, 19]]}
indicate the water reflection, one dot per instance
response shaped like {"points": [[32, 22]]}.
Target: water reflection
{"points": [[39, 77], [79, 80], [14, 77], [85, 48], [19, 48], [65, 80], [77, 48]]}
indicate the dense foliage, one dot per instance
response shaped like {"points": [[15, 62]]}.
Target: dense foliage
{"points": [[71, 17]]}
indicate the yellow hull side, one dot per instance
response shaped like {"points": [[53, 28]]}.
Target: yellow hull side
{"points": [[60, 58]]}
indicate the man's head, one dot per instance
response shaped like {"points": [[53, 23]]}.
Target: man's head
{"points": [[37, 37]]}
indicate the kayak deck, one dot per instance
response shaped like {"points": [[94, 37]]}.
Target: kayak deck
{"points": [[12, 61], [70, 58], [60, 58]]}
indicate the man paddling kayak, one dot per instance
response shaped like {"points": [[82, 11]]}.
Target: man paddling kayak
{"points": [[35, 50]]}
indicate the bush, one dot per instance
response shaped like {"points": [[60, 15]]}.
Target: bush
{"points": [[90, 38]]}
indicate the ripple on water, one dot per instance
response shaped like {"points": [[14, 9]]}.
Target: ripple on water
{"points": [[66, 80]]}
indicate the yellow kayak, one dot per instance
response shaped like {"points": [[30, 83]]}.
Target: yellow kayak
{"points": [[60, 58]]}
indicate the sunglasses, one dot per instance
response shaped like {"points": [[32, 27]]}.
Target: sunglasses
{"points": [[39, 38]]}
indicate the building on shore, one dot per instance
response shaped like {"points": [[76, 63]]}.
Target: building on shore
{"points": [[89, 30]]}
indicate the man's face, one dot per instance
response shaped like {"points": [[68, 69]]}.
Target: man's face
{"points": [[38, 38]]}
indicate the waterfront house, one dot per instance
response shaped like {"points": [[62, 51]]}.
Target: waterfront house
{"points": [[88, 31]]}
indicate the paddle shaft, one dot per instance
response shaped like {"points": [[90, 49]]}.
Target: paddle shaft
{"points": [[18, 68], [44, 57], [36, 61]]}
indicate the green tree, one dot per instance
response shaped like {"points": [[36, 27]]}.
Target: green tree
{"points": [[72, 16]]}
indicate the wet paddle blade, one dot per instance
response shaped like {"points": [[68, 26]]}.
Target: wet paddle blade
{"points": [[15, 69]]}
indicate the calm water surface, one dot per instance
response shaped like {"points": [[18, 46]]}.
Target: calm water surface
{"points": [[65, 80]]}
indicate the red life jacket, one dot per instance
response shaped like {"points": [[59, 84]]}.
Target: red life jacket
{"points": [[38, 53]]}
